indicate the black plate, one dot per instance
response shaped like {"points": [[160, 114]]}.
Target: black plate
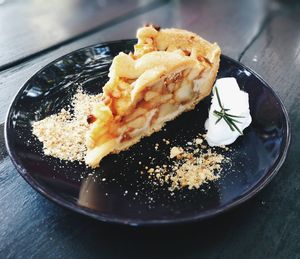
{"points": [[117, 192]]}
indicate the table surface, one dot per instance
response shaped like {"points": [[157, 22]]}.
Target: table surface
{"points": [[264, 35]]}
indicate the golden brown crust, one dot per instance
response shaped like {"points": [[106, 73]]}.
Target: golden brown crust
{"points": [[173, 39], [161, 57]]}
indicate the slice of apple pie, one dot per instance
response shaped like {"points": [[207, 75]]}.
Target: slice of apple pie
{"points": [[170, 71]]}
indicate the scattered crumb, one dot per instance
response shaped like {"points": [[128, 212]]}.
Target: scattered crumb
{"points": [[190, 169], [175, 151], [151, 170], [166, 141], [63, 134], [198, 141]]}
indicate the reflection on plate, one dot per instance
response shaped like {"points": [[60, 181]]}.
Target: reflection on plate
{"points": [[117, 191]]}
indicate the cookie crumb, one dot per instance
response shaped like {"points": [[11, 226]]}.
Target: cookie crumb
{"points": [[151, 170], [175, 151], [190, 168], [198, 141], [63, 134]]}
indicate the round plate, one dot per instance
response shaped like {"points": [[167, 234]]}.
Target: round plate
{"points": [[117, 191]]}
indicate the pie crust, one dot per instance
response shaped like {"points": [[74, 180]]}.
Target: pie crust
{"points": [[170, 71]]}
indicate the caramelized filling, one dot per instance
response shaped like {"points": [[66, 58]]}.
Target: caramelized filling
{"points": [[164, 95], [91, 118]]}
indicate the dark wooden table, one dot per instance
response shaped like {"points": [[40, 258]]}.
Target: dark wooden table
{"points": [[264, 35]]}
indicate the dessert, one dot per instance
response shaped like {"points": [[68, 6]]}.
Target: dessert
{"points": [[232, 102], [170, 71]]}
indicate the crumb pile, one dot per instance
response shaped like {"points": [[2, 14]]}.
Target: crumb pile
{"points": [[63, 134], [190, 167]]}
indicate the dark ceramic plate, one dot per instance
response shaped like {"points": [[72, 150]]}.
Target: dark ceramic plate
{"points": [[117, 191]]}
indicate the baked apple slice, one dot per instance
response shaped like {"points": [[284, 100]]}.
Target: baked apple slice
{"points": [[170, 71]]}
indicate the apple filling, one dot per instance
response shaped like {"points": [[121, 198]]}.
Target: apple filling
{"points": [[169, 72], [152, 105]]}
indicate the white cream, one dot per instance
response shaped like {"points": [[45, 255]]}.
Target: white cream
{"points": [[237, 102]]}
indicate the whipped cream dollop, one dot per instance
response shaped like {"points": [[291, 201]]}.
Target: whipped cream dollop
{"points": [[237, 103]]}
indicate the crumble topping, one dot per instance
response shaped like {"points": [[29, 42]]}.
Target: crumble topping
{"points": [[63, 134], [192, 171], [190, 167], [175, 151]]}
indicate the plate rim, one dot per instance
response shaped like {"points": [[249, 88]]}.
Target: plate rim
{"points": [[136, 222]]}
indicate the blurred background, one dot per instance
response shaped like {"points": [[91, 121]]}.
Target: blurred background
{"points": [[29, 27]]}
